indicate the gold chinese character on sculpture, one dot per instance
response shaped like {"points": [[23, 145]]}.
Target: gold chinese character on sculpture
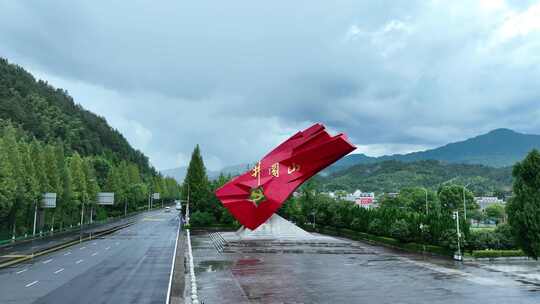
{"points": [[274, 170], [293, 168], [256, 172]]}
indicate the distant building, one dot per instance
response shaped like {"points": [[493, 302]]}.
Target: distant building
{"points": [[485, 201]]}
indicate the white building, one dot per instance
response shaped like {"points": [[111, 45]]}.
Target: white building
{"points": [[484, 201]]}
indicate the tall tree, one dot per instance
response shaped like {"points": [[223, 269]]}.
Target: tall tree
{"points": [[196, 182], [524, 206]]}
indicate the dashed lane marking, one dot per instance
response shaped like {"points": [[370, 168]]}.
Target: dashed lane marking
{"points": [[67, 253], [107, 248], [47, 261], [59, 270], [21, 271], [84, 247], [94, 254], [79, 261], [31, 284]]}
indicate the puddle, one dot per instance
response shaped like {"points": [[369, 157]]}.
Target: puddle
{"points": [[212, 266]]}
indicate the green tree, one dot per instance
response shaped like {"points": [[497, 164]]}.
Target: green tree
{"points": [[495, 212], [196, 183], [524, 206]]}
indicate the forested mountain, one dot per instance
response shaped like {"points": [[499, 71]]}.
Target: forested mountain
{"points": [[498, 148], [391, 176], [48, 143], [49, 113]]}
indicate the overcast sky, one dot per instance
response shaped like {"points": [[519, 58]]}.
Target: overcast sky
{"points": [[238, 77]]}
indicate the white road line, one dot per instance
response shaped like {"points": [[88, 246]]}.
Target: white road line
{"points": [[94, 254], [107, 248], [59, 270], [83, 247], [79, 261], [30, 284], [94, 243], [47, 261], [67, 253], [172, 266], [19, 272]]}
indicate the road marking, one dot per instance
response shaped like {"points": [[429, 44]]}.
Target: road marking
{"points": [[83, 247], [94, 254], [47, 261], [117, 243], [107, 248], [94, 243], [30, 284], [59, 270], [19, 272], [67, 253], [172, 266], [79, 261]]}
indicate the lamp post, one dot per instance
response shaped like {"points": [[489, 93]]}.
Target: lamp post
{"points": [[456, 217]]}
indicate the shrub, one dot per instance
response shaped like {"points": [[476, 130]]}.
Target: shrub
{"points": [[497, 253], [202, 219]]}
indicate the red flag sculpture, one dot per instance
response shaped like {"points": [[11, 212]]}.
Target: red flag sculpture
{"points": [[254, 196]]}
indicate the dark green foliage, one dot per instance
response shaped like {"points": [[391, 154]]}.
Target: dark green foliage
{"points": [[391, 176], [524, 208], [500, 238], [196, 183], [50, 144], [202, 219], [497, 253], [50, 114]]}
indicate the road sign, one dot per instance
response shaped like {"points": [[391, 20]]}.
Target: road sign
{"points": [[155, 196], [48, 200], [105, 198]]}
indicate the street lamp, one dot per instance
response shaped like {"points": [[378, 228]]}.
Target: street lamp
{"points": [[458, 256]]}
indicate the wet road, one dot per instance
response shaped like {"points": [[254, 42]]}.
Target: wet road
{"points": [[131, 265], [378, 275]]}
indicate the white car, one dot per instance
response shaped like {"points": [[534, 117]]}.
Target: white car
{"points": [[167, 209]]}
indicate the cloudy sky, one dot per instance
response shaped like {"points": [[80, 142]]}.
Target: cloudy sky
{"points": [[238, 77]]}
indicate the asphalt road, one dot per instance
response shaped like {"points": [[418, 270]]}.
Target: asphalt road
{"points": [[131, 265]]}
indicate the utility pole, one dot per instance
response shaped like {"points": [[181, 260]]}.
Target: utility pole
{"points": [[464, 203], [427, 206]]}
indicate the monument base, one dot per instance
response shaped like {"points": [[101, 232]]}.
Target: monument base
{"points": [[277, 235], [275, 228]]}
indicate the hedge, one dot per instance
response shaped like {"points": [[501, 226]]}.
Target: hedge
{"points": [[361, 236], [497, 253]]}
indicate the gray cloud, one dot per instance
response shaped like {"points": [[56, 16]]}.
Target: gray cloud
{"points": [[240, 76]]}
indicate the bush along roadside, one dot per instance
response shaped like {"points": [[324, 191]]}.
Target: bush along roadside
{"points": [[382, 240]]}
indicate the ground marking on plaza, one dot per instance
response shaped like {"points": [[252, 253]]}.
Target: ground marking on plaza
{"points": [[59, 270]]}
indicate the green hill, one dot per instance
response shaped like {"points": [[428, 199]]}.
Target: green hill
{"points": [[498, 148], [49, 113], [391, 176], [48, 143]]}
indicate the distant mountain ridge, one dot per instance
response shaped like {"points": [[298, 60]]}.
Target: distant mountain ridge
{"points": [[179, 173], [497, 148]]}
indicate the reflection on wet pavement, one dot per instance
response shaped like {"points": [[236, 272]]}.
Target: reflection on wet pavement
{"points": [[377, 275]]}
